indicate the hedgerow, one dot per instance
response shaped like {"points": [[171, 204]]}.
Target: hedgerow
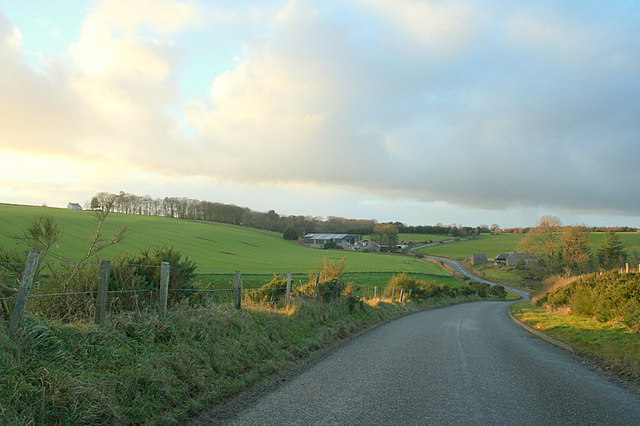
{"points": [[606, 296]]}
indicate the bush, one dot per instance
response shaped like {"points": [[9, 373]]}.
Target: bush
{"points": [[142, 272], [419, 289], [606, 297], [290, 234], [331, 284], [274, 291], [146, 266], [402, 281]]}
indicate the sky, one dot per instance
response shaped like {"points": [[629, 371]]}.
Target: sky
{"points": [[420, 111]]}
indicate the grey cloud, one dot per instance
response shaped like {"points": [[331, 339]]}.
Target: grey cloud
{"points": [[500, 124]]}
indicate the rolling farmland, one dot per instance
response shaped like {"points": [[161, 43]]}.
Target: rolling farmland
{"points": [[212, 246]]}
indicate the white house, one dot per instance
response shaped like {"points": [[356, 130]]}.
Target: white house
{"points": [[74, 206]]}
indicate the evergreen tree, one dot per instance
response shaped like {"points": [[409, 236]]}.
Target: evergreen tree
{"points": [[611, 254]]}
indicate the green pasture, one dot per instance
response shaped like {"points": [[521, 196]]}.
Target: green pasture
{"points": [[492, 245], [212, 246], [489, 244], [423, 238], [417, 238]]}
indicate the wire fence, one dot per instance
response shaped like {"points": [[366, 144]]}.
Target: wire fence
{"points": [[79, 291]]}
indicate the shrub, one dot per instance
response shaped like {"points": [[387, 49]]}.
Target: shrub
{"points": [[290, 234], [604, 296], [273, 291], [402, 281], [146, 266], [331, 284]]}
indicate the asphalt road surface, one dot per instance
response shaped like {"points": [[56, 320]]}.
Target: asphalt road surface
{"points": [[465, 364]]}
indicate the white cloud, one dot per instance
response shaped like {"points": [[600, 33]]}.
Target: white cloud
{"points": [[430, 27], [479, 104]]}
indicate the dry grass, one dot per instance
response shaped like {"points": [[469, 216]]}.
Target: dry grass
{"points": [[552, 283]]}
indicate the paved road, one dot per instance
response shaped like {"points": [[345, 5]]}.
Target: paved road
{"points": [[465, 364], [458, 266]]}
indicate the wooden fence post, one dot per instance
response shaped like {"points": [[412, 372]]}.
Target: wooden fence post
{"points": [[375, 292], [288, 292], [238, 289], [316, 289], [23, 292], [393, 293], [626, 268], [103, 288], [402, 295], [165, 269]]}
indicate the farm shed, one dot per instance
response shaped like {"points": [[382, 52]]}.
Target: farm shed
{"points": [[512, 259], [478, 259], [345, 241], [367, 246], [515, 258]]}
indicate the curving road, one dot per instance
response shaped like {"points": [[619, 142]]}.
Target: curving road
{"points": [[459, 267], [465, 364]]}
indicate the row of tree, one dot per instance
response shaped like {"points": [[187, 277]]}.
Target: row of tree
{"points": [[185, 208], [566, 249]]}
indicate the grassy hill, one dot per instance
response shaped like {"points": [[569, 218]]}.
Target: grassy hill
{"points": [[212, 246], [489, 244]]}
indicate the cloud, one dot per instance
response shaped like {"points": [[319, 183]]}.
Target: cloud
{"points": [[527, 108], [489, 105], [110, 98]]}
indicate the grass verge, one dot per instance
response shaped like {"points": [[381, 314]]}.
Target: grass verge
{"points": [[610, 345], [140, 369]]}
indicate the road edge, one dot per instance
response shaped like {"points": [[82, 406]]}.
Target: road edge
{"points": [[541, 335]]}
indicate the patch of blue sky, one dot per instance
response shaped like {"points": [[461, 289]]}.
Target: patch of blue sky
{"points": [[47, 27], [207, 56]]}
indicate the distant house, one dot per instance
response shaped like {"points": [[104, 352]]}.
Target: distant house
{"points": [[478, 259], [367, 246], [343, 241], [516, 258], [513, 259], [400, 247], [74, 206]]}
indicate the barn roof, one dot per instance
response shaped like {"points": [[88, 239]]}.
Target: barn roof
{"points": [[327, 236]]}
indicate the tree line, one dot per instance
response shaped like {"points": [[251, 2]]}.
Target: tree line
{"points": [[292, 226], [567, 249]]}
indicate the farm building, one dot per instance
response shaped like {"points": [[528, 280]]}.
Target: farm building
{"points": [[370, 246], [344, 241], [527, 258], [478, 259], [74, 206], [512, 259]]}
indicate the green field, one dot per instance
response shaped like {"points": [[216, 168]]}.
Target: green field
{"points": [[418, 238], [492, 245], [212, 246]]}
